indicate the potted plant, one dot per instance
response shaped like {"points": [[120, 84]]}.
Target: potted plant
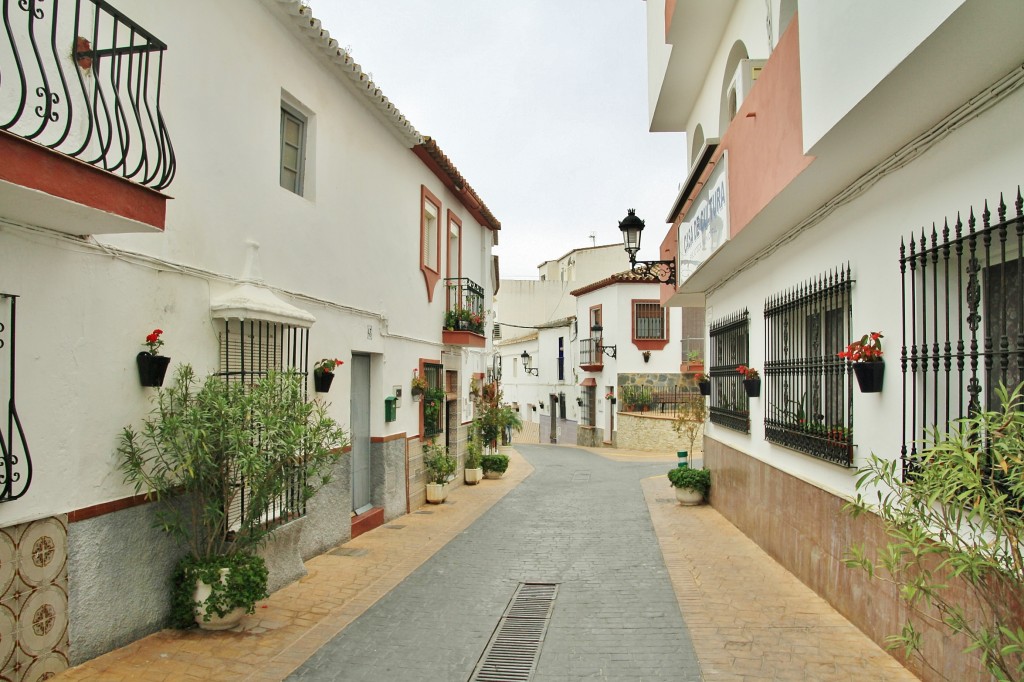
{"points": [[323, 374], [868, 365], [689, 423], [494, 466], [189, 455], [692, 485], [419, 385], [694, 362], [610, 396], [508, 421], [703, 383], [152, 366], [464, 319], [440, 467], [474, 472], [751, 381]]}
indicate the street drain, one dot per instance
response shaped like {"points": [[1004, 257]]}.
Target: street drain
{"points": [[512, 653]]}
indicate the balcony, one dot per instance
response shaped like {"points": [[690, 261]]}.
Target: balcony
{"points": [[591, 357], [84, 142], [464, 319]]}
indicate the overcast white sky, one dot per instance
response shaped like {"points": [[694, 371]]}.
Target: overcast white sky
{"points": [[540, 104]]}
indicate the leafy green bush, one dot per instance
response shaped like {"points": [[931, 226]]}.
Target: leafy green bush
{"points": [[698, 480], [474, 451], [495, 463], [439, 464], [245, 584], [957, 534]]}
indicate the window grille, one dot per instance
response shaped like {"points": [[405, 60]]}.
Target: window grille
{"points": [[248, 351], [809, 394], [433, 400], [730, 347], [693, 334], [590, 352], [588, 410], [963, 303], [648, 321]]}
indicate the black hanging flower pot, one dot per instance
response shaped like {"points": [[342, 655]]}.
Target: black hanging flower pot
{"points": [[152, 368], [869, 376], [752, 387], [705, 387], [322, 381]]}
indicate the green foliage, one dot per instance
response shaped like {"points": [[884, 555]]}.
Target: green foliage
{"points": [[636, 397], [439, 464], [474, 447], [200, 440], [689, 422], [956, 531], [495, 419], [495, 463], [473, 322], [698, 480], [244, 585]]}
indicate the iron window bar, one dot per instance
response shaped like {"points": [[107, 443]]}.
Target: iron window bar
{"points": [[809, 392], [86, 83], [249, 351], [16, 475], [963, 306], [728, 404], [433, 400]]}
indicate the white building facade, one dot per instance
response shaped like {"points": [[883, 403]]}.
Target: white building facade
{"points": [[294, 215], [835, 173]]}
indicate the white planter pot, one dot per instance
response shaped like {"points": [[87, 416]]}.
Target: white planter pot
{"points": [[436, 492], [474, 476], [230, 620], [688, 496]]}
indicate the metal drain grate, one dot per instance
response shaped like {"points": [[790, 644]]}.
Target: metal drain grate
{"points": [[512, 653]]}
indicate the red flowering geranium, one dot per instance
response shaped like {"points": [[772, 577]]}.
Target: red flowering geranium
{"points": [[868, 349], [154, 341], [327, 365], [748, 372]]}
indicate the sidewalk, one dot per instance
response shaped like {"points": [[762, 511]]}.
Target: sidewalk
{"points": [[749, 618]]}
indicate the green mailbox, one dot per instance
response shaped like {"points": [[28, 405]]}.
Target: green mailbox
{"points": [[390, 408]]}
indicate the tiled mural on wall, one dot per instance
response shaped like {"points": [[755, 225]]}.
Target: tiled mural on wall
{"points": [[34, 605]]}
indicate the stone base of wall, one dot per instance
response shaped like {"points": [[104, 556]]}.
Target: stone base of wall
{"points": [[589, 436], [651, 433], [806, 530]]}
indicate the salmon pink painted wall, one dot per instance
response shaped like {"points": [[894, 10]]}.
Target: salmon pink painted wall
{"points": [[765, 140]]}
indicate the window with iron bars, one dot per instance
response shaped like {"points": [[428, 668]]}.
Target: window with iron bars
{"points": [[648, 321], [433, 400], [730, 347], [963, 303], [809, 395], [588, 408], [249, 350]]}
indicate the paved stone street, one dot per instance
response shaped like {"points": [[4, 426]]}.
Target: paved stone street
{"points": [[418, 598], [579, 521]]}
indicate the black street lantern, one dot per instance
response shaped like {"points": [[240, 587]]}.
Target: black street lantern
{"points": [[664, 270], [525, 357]]}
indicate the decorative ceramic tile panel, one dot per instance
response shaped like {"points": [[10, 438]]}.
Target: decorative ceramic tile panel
{"points": [[34, 600]]}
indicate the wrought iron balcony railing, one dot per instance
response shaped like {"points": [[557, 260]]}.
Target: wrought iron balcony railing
{"points": [[81, 78], [590, 352], [465, 310]]}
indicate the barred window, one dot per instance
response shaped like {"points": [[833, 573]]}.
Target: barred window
{"points": [[693, 334], [648, 321], [588, 408], [809, 395], [730, 347], [433, 400], [249, 350], [963, 303]]}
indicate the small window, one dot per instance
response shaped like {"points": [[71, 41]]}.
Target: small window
{"points": [[648, 321], [293, 149]]}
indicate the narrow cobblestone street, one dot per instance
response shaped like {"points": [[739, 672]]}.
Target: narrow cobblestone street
{"points": [[579, 521], [647, 591]]}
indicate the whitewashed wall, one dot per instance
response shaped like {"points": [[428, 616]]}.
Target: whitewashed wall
{"points": [[348, 252], [866, 233]]}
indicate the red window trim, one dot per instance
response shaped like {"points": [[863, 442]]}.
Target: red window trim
{"points": [[431, 275], [648, 344]]}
